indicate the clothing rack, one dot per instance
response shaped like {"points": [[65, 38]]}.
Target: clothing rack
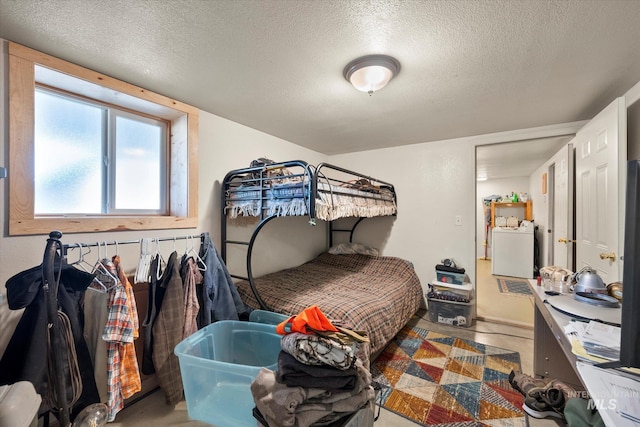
{"points": [[54, 249], [67, 246]]}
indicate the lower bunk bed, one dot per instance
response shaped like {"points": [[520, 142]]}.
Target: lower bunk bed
{"points": [[374, 294]]}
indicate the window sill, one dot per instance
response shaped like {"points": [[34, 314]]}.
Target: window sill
{"points": [[98, 224]]}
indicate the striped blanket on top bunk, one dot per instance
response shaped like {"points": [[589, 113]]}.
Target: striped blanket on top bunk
{"points": [[289, 197]]}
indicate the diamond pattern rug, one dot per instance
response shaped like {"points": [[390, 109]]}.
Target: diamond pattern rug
{"points": [[439, 380], [515, 287]]}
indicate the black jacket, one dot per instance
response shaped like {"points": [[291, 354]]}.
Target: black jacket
{"points": [[25, 358]]}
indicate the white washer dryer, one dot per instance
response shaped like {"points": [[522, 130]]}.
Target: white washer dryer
{"points": [[512, 252]]}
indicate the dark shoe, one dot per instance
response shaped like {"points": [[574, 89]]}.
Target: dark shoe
{"points": [[568, 391], [524, 383], [555, 393], [544, 403]]}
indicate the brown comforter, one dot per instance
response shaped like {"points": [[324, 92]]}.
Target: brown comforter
{"points": [[373, 294]]}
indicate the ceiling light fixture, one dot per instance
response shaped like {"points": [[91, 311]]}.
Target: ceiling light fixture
{"points": [[372, 72]]}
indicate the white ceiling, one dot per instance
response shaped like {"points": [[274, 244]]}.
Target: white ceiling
{"points": [[516, 159], [468, 67]]}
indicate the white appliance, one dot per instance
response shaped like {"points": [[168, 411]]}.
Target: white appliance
{"points": [[512, 252]]}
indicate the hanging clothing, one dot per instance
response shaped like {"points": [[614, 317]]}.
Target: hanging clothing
{"points": [[96, 302], [167, 332], [220, 297], [191, 276], [25, 358], [117, 332], [154, 300], [129, 372]]}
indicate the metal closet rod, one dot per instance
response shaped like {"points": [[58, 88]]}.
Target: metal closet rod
{"points": [[129, 242]]}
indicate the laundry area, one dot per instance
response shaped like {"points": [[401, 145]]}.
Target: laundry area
{"points": [[508, 241], [510, 235], [512, 253]]}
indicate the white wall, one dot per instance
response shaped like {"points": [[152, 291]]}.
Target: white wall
{"points": [[435, 181], [490, 187]]}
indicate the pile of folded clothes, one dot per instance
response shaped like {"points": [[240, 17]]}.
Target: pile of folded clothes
{"points": [[319, 379]]}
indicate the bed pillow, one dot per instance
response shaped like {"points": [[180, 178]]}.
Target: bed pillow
{"points": [[353, 248]]}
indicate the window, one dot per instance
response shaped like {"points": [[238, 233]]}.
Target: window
{"points": [[100, 152], [91, 153]]}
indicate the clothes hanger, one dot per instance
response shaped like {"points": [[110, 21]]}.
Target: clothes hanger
{"points": [[96, 284], [102, 269], [192, 252], [144, 264], [161, 263], [81, 262]]}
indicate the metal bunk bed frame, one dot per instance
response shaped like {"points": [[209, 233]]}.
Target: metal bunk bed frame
{"points": [[260, 175]]}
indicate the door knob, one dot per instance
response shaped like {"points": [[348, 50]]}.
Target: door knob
{"points": [[565, 240], [611, 256]]}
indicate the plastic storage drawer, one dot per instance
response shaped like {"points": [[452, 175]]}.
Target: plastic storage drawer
{"points": [[450, 277], [218, 364], [450, 312], [449, 292]]}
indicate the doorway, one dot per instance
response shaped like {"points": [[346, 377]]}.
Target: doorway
{"points": [[503, 170]]}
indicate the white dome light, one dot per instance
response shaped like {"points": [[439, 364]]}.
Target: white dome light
{"points": [[372, 72]]}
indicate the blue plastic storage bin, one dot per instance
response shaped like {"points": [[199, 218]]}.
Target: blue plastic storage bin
{"points": [[218, 364], [269, 317]]}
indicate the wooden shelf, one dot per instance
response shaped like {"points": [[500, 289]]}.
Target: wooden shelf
{"points": [[528, 209]]}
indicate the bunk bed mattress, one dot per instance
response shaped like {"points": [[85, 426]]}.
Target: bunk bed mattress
{"points": [[377, 295], [332, 201]]}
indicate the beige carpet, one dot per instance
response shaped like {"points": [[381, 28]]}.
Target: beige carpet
{"points": [[496, 306]]}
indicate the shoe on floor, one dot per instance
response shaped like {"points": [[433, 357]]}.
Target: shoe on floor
{"points": [[544, 403], [568, 391], [555, 394], [524, 383]]}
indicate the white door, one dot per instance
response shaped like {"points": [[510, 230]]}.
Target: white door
{"points": [[601, 151], [562, 232]]}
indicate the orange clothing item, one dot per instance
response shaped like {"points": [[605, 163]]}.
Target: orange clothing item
{"points": [[129, 372], [311, 317]]}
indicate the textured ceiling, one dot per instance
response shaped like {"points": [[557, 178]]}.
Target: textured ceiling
{"points": [[468, 67], [514, 159]]}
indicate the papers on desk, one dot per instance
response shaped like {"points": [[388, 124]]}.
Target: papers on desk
{"points": [[617, 397], [594, 341]]}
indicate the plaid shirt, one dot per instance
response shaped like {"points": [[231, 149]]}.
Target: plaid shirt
{"points": [[167, 333], [129, 371], [118, 333]]}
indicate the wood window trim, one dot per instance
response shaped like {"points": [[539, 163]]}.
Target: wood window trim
{"points": [[183, 150]]}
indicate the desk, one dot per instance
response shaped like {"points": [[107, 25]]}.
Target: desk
{"points": [[552, 356], [553, 359]]}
